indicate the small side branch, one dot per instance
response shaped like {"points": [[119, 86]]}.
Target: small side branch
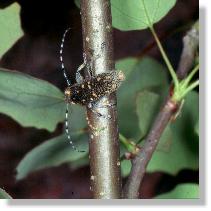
{"points": [[104, 137], [190, 46], [140, 162]]}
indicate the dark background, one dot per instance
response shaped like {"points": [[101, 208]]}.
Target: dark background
{"points": [[37, 53]]}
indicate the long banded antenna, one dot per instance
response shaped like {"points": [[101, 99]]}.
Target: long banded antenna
{"points": [[62, 59], [67, 129], [68, 83]]}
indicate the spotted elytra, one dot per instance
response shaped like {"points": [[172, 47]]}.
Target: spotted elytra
{"points": [[91, 90]]}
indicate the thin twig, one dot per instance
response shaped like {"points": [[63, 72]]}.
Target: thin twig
{"points": [[104, 137], [140, 162], [190, 46]]}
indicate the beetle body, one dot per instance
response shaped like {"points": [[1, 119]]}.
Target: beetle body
{"points": [[91, 90]]}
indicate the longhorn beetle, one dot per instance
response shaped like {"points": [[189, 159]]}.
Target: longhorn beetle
{"points": [[87, 92]]}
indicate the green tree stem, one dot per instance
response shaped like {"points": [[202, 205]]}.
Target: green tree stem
{"points": [[130, 146], [192, 73], [165, 57], [191, 87]]}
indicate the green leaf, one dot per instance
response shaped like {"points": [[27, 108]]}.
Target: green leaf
{"points": [[10, 27], [148, 104], [138, 14], [77, 118], [182, 191], [51, 153], [30, 101], [197, 128], [140, 75], [77, 3], [127, 65], [4, 194], [147, 108], [57, 150], [183, 152], [84, 161], [125, 167]]}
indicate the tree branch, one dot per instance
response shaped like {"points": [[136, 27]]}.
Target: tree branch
{"points": [[140, 162], [190, 46], [104, 137]]}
